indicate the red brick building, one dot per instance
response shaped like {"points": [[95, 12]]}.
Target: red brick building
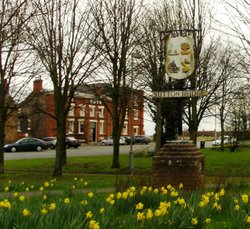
{"points": [[88, 119]]}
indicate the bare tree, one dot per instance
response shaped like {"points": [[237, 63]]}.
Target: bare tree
{"points": [[116, 23], [14, 65], [175, 17], [62, 38]]}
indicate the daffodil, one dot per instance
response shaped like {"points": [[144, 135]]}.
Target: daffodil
{"points": [[21, 198], [194, 221], [248, 219], [84, 202], [26, 212], [112, 202], [140, 216], [52, 206], [66, 201], [6, 189], [15, 194], [222, 192], [90, 194], [180, 186], [139, 206], [237, 207], [102, 210], [149, 214], [44, 211], [93, 224], [118, 195], [244, 198], [89, 215], [156, 190], [208, 220], [125, 195]]}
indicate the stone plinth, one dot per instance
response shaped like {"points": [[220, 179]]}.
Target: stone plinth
{"points": [[179, 162]]}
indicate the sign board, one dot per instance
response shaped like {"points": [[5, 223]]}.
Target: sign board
{"points": [[178, 94], [179, 57]]}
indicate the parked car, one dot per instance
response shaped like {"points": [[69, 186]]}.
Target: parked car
{"points": [[141, 139], [26, 144], [51, 142], [128, 140], [227, 140], [72, 142], [109, 141]]}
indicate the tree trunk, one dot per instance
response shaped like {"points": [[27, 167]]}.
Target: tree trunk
{"points": [[2, 134], [115, 134], [60, 145], [193, 127], [158, 127], [222, 128]]}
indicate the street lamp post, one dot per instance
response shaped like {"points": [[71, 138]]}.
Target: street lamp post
{"points": [[131, 152]]}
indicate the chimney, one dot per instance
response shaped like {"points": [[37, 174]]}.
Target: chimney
{"points": [[38, 84]]}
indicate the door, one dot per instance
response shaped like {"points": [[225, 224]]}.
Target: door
{"points": [[92, 131]]}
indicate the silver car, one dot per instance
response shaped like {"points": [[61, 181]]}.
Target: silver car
{"points": [[109, 141]]}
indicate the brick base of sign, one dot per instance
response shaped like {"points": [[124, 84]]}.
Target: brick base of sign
{"points": [[179, 162]]}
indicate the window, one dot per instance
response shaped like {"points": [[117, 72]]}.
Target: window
{"points": [[136, 130], [101, 112], [18, 126], [81, 126], [101, 127], [125, 128], [126, 115], [71, 110], [29, 124], [91, 111], [136, 114], [71, 126], [82, 110]]}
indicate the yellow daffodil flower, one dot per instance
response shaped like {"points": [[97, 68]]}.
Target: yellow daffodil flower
{"points": [[244, 198], [44, 211], [89, 215], [102, 210], [26, 212], [66, 201], [194, 221], [140, 216], [52, 206], [21, 198], [90, 194], [139, 206]]}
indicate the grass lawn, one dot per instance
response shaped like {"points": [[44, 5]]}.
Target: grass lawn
{"points": [[220, 167]]}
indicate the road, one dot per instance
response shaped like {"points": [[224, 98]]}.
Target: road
{"points": [[86, 150]]}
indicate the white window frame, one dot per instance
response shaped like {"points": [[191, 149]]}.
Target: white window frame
{"points": [[101, 127], [82, 110], [125, 128], [72, 110], [71, 124], [101, 111], [136, 114], [136, 130], [91, 110], [80, 122]]}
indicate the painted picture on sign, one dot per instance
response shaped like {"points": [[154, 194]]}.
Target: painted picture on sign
{"points": [[179, 57]]}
